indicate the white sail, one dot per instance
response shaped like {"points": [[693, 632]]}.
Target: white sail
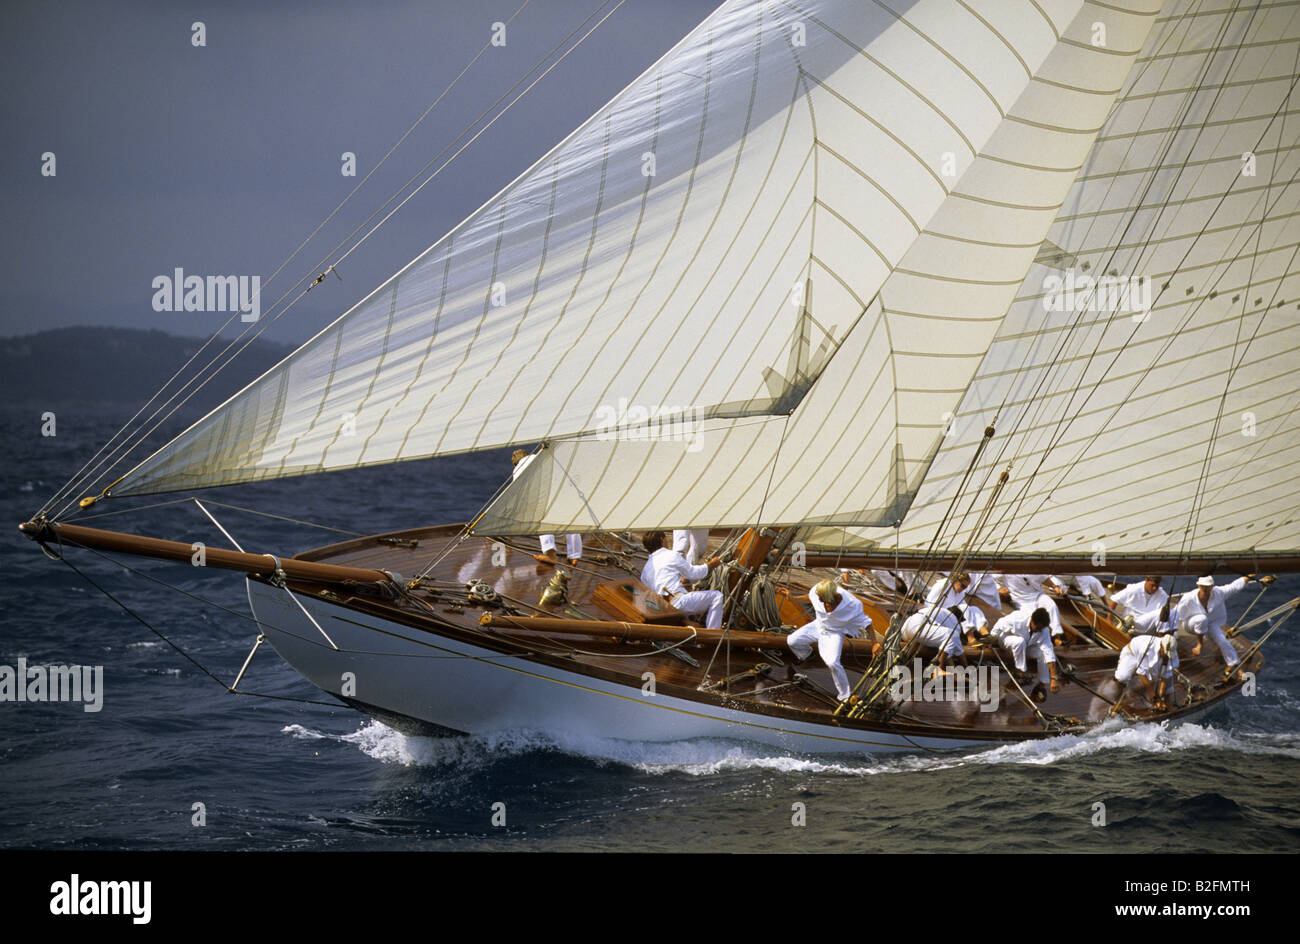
{"points": [[707, 240], [856, 448], [1135, 433]]}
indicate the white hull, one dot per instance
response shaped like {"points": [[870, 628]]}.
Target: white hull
{"points": [[459, 686]]}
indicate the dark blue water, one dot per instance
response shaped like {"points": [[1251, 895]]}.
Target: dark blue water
{"points": [[287, 775]]}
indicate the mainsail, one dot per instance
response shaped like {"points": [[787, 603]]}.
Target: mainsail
{"points": [[1168, 420]]}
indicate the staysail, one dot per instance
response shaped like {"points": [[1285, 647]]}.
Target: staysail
{"points": [[705, 242]]}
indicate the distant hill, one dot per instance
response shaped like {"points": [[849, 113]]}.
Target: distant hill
{"points": [[117, 367]]}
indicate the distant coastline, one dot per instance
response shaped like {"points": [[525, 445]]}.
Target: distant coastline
{"points": [[117, 367]]}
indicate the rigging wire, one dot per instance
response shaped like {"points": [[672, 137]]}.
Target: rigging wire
{"points": [[959, 523], [1045, 374], [1203, 479], [233, 689], [1011, 511], [121, 451], [271, 278], [1154, 172]]}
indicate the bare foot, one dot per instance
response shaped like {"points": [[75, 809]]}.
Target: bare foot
{"points": [[548, 558]]}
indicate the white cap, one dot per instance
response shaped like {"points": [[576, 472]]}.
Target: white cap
{"points": [[1205, 582]]}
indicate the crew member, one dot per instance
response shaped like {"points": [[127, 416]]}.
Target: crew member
{"points": [[1152, 656], [960, 600], [1025, 633], [941, 629], [1139, 598], [692, 544], [1026, 593], [957, 586], [1086, 585], [985, 587], [973, 623], [906, 583], [1206, 614], [664, 573], [837, 613]]}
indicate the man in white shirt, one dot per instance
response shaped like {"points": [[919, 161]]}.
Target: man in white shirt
{"points": [[956, 591], [1021, 590], [973, 623], [1205, 613], [1025, 633], [1139, 598], [963, 590], [984, 586], [665, 572], [940, 629], [837, 613], [1152, 656], [1027, 593], [904, 582], [572, 542], [1085, 585]]}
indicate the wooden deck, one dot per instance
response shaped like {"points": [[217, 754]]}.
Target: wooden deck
{"points": [[441, 606]]}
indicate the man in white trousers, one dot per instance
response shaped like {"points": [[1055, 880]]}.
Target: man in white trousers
{"points": [[941, 629], [1206, 614], [1024, 633], [1152, 656], [837, 613], [666, 571], [1026, 592]]}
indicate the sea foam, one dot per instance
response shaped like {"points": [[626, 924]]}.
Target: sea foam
{"points": [[704, 757]]}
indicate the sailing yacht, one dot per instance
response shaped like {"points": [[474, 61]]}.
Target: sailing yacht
{"points": [[989, 285]]}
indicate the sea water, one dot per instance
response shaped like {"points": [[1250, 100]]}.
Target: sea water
{"points": [[172, 761]]}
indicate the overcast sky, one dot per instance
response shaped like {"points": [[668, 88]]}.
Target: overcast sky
{"points": [[220, 159]]}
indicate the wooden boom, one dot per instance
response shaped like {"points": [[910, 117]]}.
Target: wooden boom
{"points": [[741, 639], [1025, 563]]}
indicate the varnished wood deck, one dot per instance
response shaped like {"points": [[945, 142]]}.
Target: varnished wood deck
{"points": [[441, 606]]}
